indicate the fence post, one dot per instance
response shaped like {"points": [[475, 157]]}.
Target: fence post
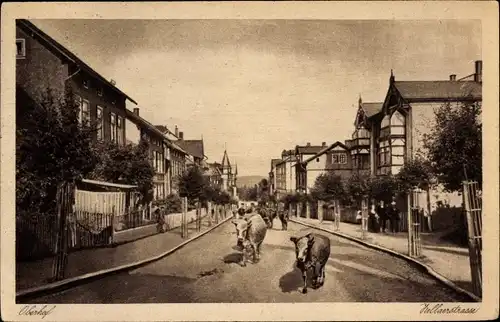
{"points": [[209, 213], [64, 201], [364, 217], [474, 233], [112, 237], [414, 246], [337, 214], [320, 210], [184, 218], [308, 210]]}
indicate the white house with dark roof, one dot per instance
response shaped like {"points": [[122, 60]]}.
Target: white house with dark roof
{"points": [[407, 113]]}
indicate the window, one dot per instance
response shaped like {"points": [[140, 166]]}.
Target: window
{"points": [[99, 91], [119, 130], [100, 122], [317, 159], [113, 127], [85, 83], [85, 107], [339, 158], [20, 48]]}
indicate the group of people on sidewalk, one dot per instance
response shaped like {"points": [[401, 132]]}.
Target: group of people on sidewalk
{"points": [[379, 216]]}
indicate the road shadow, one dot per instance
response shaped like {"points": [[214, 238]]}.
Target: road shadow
{"points": [[292, 281], [233, 258], [446, 250]]}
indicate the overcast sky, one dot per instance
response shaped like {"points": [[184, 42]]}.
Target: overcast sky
{"points": [[262, 86]]}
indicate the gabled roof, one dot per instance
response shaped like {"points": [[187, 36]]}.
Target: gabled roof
{"points": [[438, 90], [311, 149], [325, 150], [139, 121], [274, 162], [64, 53], [371, 109], [193, 147], [213, 169]]}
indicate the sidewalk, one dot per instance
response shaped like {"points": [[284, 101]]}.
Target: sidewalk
{"points": [[37, 273], [447, 260]]}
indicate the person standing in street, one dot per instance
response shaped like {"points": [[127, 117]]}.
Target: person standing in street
{"points": [[373, 218], [382, 212], [393, 214]]}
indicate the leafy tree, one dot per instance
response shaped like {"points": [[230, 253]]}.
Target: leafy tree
{"points": [[415, 173], [383, 187], [52, 146], [329, 186], [192, 184], [454, 144], [129, 164], [358, 186]]}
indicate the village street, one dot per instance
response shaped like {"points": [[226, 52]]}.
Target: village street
{"points": [[207, 270]]}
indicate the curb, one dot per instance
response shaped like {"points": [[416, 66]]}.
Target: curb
{"points": [[67, 283], [425, 267]]}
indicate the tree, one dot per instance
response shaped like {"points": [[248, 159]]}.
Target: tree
{"points": [[383, 187], [192, 184], [357, 187], [454, 144], [129, 164], [329, 186], [415, 173], [52, 146]]}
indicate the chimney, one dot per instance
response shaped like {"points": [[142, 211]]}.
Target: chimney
{"points": [[136, 111], [478, 75], [181, 135], [308, 144], [323, 143], [176, 131], [453, 77]]}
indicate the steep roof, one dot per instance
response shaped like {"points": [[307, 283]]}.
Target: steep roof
{"points": [[145, 124], [311, 149], [225, 160], [429, 90], [193, 147], [371, 109], [274, 162], [64, 53], [325, 150]]}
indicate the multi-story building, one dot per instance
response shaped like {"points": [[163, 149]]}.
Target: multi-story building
{"points": [[214, 175], [334, 158], [285, 173], [359, 145], [164, 155], [272, 176], [43, 63], [407, 113], [302, 153]]}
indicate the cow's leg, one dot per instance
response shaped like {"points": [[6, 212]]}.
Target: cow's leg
{"points": [[304, 278], [323, 275], [316, 275]]}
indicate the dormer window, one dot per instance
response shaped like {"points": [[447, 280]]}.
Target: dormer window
{"points": [[20, 48], [85, 83]]}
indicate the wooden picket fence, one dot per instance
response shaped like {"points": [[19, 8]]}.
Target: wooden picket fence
{"points": [[473, 208]]}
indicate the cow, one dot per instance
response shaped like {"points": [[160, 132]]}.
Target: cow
{"points": [[251, 231], [283, 216], [312, 251]]}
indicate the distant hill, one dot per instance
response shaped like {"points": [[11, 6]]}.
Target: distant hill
{"points": [[249, 181]]}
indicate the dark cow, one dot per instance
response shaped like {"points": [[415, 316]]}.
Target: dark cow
{"points": [[251, 231], [283, 216], [312, 251]]}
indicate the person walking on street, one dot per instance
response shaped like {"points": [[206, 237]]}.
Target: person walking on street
{"points": [[393, 214]]}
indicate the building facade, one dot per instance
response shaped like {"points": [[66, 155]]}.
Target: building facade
{"points": [[42, 63], [407, 114], [303, 153], [229, 175], [335, 158]]}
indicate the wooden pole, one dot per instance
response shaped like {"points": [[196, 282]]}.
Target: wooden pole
{"points": [[409, 219]]}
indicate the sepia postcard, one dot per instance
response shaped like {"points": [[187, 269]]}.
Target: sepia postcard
{"points": [[245, 161]]}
